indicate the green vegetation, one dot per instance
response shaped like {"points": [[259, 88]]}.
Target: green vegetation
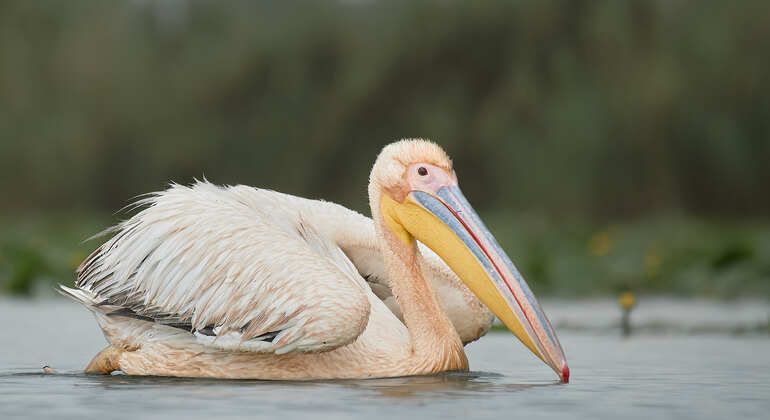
{"points": [[37, 252], [668, 256], [659, 256], [596, 116], [602, 109]]}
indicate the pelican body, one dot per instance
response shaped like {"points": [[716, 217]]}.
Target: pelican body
{"points": [[239, 282]]}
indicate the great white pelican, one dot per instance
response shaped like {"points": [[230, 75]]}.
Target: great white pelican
{"points": [[238, 282]]}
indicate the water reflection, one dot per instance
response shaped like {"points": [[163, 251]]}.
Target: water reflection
{"points": [[447, 384], [451, 384], [647, 377]]}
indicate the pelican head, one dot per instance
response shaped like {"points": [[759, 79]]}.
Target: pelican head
{"points": [[416, 192]]}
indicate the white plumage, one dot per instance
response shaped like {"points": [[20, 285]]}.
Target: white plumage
{"points": [[254, 270], [238, 282]]}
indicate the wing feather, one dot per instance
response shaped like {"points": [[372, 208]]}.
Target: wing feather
{"points": [[241, 270]]}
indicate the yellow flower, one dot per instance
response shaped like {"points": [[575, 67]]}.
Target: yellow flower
{"points": [[627, 300]]}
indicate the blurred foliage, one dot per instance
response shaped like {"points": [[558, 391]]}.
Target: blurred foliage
{"points": [[558, 258], [640, 117], [39, 251], [685, 257], [595, 108]]}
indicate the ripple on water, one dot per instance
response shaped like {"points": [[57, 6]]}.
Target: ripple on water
{"points": [[704, 376]]}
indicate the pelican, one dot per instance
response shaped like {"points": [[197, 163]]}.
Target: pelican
{"points": [[239, 282]]}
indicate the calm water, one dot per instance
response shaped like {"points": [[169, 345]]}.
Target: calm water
{"points": [[646, 376]]}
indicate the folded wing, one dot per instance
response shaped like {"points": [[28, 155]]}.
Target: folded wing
{"points": [[233, 269]]}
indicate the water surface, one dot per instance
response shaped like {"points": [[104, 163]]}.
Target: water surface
{"points": [[647, 376]]}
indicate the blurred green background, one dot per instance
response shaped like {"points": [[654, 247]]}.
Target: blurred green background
{"points": [[608, 144]]}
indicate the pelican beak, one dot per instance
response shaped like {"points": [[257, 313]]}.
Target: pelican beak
{"points": [[445, 222]]}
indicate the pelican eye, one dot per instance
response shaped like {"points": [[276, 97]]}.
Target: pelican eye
{"points": [[422, 171]]}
